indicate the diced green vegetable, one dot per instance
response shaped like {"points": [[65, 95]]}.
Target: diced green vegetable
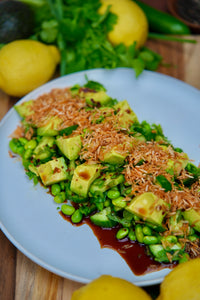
{"points": [[101, 218]]}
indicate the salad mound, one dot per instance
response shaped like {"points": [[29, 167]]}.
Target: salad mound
{"points": [[100, 162]]}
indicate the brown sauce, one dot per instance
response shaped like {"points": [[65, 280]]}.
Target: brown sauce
{"points": [[84, 175], [132, 252]]}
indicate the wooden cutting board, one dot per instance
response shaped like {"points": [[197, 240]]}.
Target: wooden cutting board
{"points": [[22, 279]]}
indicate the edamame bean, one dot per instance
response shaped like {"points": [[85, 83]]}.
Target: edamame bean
{"points": [[150, 240], [67, 209], [131, 235], [16, 146], [31, 144], [77, 216], [27, 154], [20, 150], [13, 146], [113, 194], [55, 189], [60, 198], [119, 202], [147, 230], [122, 233], [43, 154], [139, 233], [172, 239], [26, 164], [23, 141], [62, 185]]}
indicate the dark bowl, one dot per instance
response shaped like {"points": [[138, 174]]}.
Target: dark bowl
{"points": [[185, 18]]}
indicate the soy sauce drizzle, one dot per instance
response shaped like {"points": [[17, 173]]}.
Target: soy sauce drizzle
{"points": [[132, 252]]}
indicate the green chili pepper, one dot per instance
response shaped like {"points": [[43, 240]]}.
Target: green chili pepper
{"points": [[163, 22]]}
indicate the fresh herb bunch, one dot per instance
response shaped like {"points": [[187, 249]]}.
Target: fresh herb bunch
{"points": [[80, 33]]}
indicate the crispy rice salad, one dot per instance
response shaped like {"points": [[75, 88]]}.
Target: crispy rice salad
{"points": [[100, 162]]}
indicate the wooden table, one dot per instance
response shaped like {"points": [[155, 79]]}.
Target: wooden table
{"points": [[20, 278]]}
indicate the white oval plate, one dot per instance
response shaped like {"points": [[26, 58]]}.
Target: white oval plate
{"points": [[29, 217]]}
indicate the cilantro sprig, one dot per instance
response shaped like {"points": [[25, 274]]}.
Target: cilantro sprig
{"points": [[80, 33]]}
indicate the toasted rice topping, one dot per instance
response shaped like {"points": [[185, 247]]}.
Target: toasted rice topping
{"points": [[99, 138]]}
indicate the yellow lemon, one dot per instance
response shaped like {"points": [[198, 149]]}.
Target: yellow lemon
{"points": [[25, 65], [110, 288], [132, 24], [182, 283]]}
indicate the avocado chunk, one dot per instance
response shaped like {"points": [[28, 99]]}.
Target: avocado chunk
{"points": [[176, 167], [53, 171], [125, 114], [114, 157], [101, 218], [83, 177], [70, 147], [193, 217], [24, 109], [105, 182], [148, 207], [50, 128], [96, 98]]}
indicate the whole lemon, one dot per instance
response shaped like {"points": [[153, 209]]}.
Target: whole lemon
{"points": [[25, 65], [132, 24], [182, 283], [107, 287]]}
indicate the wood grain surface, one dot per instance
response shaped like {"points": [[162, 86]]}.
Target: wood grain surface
{"points": [[22, 279]]}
